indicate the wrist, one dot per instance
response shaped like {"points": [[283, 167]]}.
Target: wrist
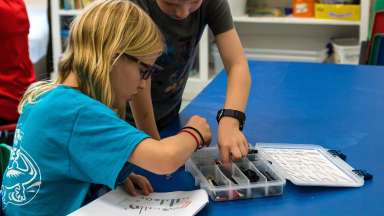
{"points": [[229, 121], [193, 136], [202, 143], [237, 115]]}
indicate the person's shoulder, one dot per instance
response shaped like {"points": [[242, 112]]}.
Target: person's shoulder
{"points": [[69, 99], [65, 96], [216, 9], [85, 103]]}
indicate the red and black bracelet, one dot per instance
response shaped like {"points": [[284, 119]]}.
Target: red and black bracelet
{"points": [[198, 132], [194, 137]]}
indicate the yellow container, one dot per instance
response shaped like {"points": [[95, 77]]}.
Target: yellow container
{"points": [[338, 11]]}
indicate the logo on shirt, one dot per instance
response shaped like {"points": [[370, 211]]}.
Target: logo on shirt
{"points": [[22, 179]]}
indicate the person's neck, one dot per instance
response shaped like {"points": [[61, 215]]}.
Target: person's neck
{"points": [[71, 81]]}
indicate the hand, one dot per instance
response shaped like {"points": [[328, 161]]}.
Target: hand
{"points": [[202, 126], [136, 182], [231, 141]]}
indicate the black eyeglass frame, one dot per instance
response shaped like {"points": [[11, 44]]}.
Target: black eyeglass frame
{"points": [[146, 70]]}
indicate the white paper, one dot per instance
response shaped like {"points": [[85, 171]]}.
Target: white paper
{"points": [[118, 202]]}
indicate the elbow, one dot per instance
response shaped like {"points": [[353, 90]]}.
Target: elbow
{"points": [[166, 169], [167, 164]]}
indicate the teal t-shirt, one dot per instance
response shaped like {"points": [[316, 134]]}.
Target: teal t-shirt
{"points": [[63, 143]]}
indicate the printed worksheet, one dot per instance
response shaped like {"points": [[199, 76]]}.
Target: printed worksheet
{"points": [[119, 202]]}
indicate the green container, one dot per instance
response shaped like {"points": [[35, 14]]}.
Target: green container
{"points": [[375, 49], [379, 5], [5, 151]]}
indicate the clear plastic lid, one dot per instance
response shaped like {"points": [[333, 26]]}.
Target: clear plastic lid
{"points": [[309, 165]]}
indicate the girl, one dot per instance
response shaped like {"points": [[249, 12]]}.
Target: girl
{"points": [[71, 133]]}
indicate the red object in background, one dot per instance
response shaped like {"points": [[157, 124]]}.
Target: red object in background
{"points": [[378, 25], [16, 69], [10, 127]]}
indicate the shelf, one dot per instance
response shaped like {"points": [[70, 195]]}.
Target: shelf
{"points": [[294, 20], [312, 32], [69, 12], [274, 20]]}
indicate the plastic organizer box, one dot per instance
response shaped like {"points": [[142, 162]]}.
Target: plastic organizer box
{"points": [[265, 169], [250, 177]]}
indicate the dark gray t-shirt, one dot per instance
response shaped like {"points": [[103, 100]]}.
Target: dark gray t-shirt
{"points": [[182, 38]]}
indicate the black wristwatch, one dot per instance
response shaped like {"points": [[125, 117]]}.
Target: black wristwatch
{"points": [[232, 113]]}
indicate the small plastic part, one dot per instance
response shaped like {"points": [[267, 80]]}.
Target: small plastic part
{"points": [[367, 176], [268, 176], [338, 154], [252, 176], [252, 151]]}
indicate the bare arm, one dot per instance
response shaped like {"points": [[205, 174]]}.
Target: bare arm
{"points": [[142, 110], [231, 140], [164, 156], [235, 63], [167, 155]]}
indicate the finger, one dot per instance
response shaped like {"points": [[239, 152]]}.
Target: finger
{"points": [[224, 154], [236, 154], [139, 181], [151, 190], [149, 185], [244, 144], [245, 141], [243, 148], [130, 188]]}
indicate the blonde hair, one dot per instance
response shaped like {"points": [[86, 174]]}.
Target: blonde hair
{"points": [[98, 37]]}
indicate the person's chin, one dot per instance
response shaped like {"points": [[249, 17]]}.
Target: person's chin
{"points": [[179, 19], [129, 98]]}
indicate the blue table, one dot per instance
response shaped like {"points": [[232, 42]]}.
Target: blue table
{"points": [[337, 106]]}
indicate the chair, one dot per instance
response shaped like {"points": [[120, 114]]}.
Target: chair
{"points": [[6, 133], [5, 151]]}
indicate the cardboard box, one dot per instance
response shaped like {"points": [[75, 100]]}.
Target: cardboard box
{"points": [[338, 12]]}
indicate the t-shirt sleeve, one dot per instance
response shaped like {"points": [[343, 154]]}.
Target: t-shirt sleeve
{"points": [[100, 146], [219, 16]]}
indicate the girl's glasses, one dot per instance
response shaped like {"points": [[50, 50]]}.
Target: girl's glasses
{"points": [[146, 70]]}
